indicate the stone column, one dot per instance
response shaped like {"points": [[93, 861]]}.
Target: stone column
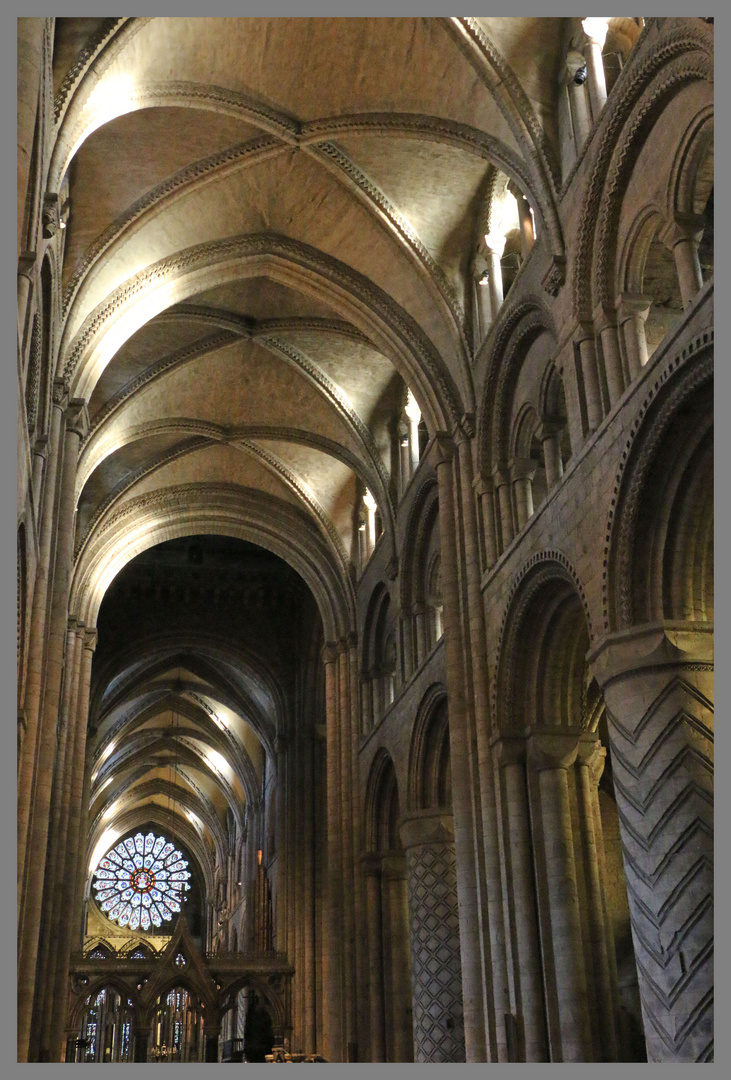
{"points": [[525, 219], [371, 866], [350, 1039], [420, 627], [407, 646], [578, 102], [470, 887], [520, 907], [55, 908], [596, 32], [590, 376], [605, 320], [70, 927], [502, 486], [393, 876], [482, 290], [522, 471], [658, 689], [495, 245], [413, 416], [682, 236], [30, 79], [404, 458], [549, 436], [589, 768], [370, 506], [485, 492], [35, 670], [360, 941], [32, 899], [550, 755], [436, 967], [632, 311], [331, 951], [496, 989]]}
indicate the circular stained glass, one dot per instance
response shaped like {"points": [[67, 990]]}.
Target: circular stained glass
{"points": [[140, 882]]}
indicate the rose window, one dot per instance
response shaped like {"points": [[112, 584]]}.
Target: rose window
{"points": [[140, 882]]}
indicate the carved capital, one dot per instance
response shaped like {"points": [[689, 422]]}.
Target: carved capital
{"points": [[443, 448], [652, 646], [683, 227], [77, 417], [51, 215], [329, 652], [483, 484], [40, 446], [552, 749], [592, 755], [91, 636], [631, 304], [555, 276], [60, 393], [26, 262], [522, 469], [509, 750], [426, 827]]}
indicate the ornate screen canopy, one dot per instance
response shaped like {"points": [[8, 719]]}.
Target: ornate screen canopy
{"points": [[140, 881]]}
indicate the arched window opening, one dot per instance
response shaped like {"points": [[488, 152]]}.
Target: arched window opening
{"points": [[660, 283], [177, 1028], [106, 1029], [435, 603]]}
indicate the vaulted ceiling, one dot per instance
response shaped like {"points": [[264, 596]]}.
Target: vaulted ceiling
{"points": [[270, 232]]}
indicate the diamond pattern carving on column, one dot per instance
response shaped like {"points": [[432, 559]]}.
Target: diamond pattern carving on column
{"points": [[436, 968]]}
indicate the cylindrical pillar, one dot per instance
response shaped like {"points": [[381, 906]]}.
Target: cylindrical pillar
{"points": [[436, 966], [494, 253], [550, 755], [658, 689], [590, 377], [525, 219], [35, 669], [632, 311], [407, 647], [521, 912], [551, 454], [420, 628], [485, 491], [589, 767], [404, 460], [350, 1039], [56, 869], [464, 806], [331, 952], [371, 865], [370, 506], [30, 77], [31, 903], [484, 306], [596, 32], [502, 486], [683, 235], [612, 360], [393, 876], [496, 990], [521, 478], [580, 116]]}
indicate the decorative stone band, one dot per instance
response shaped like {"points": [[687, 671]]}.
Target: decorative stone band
{"points": [[436, 966], [658, 688]]}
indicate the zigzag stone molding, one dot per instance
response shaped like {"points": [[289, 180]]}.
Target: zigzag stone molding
{"points": [[660, 714]]}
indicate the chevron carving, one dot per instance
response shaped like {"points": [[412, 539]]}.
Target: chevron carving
{"points": [[661, 729]]}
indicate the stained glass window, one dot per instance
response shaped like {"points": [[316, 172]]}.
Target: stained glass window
{"points": [[140, 882]]}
